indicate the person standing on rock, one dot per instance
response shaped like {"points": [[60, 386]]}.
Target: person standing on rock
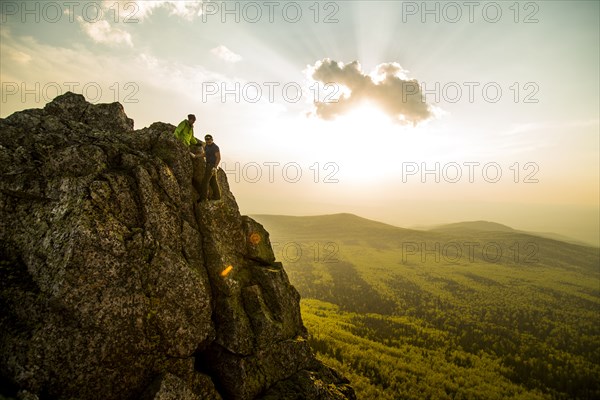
{"points": [[185, 130], [213, 159], [185, 133]]}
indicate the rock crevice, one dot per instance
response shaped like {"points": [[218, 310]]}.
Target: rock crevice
{"points": [[116, 284]]}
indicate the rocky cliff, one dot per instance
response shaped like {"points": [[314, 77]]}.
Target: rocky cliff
{"points": [[116, 284]]}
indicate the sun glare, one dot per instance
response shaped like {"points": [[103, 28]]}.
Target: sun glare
{"points": [[368, 119], [357, 138]]}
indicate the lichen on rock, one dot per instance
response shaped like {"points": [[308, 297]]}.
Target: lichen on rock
{"points": [[116, 284]]}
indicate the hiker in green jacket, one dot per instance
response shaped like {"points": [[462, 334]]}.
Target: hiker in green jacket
{"points": [[185, 133], [185, 130]]}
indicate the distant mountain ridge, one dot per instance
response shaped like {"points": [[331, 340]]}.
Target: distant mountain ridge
{"points": [[488, 226], [475, 225], [330, 223], [353, 223]]}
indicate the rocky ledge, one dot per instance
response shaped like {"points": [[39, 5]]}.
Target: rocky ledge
{"points": [[116, 284]]}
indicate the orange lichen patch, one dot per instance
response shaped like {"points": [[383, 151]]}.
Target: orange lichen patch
{"points": [[227, 270], [255, 238]]}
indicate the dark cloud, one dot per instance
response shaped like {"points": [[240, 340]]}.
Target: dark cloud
{"points": [[387, 87]]}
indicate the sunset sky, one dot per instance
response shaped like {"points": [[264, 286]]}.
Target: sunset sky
{"points": [[497, 101]]}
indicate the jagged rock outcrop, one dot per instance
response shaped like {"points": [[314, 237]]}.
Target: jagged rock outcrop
{"points": [[116, 284]]}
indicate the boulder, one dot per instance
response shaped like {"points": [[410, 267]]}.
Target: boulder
{"points": [[116, 284]]}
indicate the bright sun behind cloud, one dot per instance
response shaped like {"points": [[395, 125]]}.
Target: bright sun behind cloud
{"points": [[367, 116], [364, 139]]}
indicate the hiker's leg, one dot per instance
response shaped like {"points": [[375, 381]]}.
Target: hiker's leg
{"points": [[197, 176], [205, 180], [214, 186]]}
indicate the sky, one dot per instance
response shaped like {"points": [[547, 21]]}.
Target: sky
{"points": [[408, 112]]}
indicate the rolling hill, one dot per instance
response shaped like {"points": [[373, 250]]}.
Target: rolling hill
{"points": [[475, 226], [477, 311], [495, 227]]}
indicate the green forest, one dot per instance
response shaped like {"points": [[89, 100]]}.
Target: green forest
{"points": [[439, 314]]}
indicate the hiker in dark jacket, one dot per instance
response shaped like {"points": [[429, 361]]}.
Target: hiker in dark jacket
{"points": [[213, 159]]}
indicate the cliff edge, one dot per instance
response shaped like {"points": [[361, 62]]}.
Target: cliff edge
{"points": [[115, 284]]}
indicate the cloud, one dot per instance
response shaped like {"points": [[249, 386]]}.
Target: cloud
{"points": [[226, 55], [103, 32], [526, 128], [387, 87], [138, 79], [19, 56], [177, 77], [142, 9]]}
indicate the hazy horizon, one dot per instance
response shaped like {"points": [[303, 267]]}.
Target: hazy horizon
{"points": [[392, 111], [589, 237]]}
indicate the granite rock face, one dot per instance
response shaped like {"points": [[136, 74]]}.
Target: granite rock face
{"points": [[116, 284]]}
